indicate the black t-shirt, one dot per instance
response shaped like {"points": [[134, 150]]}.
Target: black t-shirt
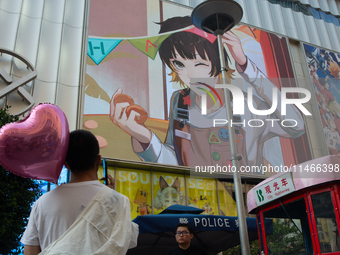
{"points": [[192, 250]]}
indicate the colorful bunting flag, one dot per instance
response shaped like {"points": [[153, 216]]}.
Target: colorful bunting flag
{"points": [[99, 48], [149, 45]]}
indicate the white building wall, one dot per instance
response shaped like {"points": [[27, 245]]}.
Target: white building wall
{"points": [[50, 35], [285, 21]]}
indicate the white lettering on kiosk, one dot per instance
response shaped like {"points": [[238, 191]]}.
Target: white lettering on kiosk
{"points": [[204, 222], [212, 222]]}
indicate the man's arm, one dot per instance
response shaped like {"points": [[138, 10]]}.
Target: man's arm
{"points": [[32, 250]]}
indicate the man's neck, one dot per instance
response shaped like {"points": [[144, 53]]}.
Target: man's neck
{"points": [[83, 177], [184, 246]]}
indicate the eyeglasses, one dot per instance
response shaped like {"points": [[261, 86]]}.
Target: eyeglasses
{"points": [[182, 233]]}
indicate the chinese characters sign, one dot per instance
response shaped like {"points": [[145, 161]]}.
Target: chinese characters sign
{"points": [[274, 189]]}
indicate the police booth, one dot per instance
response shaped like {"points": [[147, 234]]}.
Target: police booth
{"points": [[304, 206]]}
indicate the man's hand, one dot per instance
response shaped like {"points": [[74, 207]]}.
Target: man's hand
{"points": [[110, 182]]}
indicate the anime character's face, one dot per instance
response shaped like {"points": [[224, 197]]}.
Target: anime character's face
{"points": [[327, 86], [169, 196], [332, 124], [191, 71]]}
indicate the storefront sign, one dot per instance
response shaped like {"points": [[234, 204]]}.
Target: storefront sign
{"points": [[274, 189]]}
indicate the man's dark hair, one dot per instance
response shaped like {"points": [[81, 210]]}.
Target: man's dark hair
{"points": [[185, 225], [185, 43], [83, 150]]}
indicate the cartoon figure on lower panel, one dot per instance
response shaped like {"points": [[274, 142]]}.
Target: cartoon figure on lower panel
{"points": [[168, 195], [141, 200]]}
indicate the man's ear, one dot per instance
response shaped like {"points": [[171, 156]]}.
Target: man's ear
{"points": [[99, 158], [191, 235]]}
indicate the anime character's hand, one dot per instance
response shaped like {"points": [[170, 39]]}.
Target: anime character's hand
{"points": [[127, 122], [235, 48]]}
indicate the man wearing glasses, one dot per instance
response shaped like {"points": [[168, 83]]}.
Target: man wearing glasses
{"points": [[184, 234]]}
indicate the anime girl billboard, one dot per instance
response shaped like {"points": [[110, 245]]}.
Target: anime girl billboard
{"points": [[190, 138], [324, 72]]}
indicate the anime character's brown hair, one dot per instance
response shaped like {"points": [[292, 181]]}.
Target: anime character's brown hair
{"points": [[334, 69], [186, 44]]}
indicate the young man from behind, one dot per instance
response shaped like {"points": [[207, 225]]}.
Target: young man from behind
{"points": [[82, 216]]}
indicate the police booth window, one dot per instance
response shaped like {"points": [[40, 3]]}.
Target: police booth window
{"points": [[325, 220], [291, 234]]}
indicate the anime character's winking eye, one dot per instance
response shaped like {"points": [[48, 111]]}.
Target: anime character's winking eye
{"points": [[190, 69]]}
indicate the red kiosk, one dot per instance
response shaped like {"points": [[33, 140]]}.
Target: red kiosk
{"points": [[304, 205]]}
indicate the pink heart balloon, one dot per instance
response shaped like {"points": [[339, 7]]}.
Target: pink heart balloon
{"points": [[36, 146]]}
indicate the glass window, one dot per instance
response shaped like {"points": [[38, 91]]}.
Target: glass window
{"points": [[168, 189], [291, 234], [225, 195], [136, 185], [202, 194], [325, 221]]}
